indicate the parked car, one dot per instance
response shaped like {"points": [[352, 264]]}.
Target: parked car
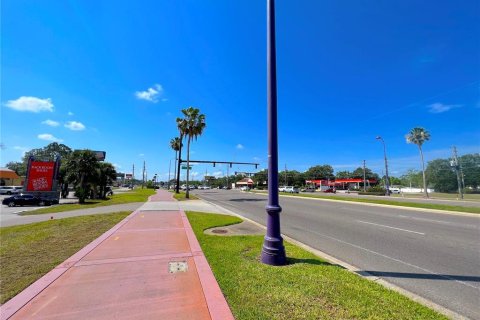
{"points": [[394, 190], [330, 190], [244, 188], [291, 189], [282, 189], [308, 189], [26, 200], [10, 190]]}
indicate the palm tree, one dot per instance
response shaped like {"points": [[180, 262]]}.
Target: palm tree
{"points": [[418, 136], [106, 174], [181, 124], [81, 170], [191, 126], [176, 144]]}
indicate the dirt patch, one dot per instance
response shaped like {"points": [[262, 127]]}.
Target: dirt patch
{"points": [[244, 228]]}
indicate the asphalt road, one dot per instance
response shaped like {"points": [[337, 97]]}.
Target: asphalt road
{"points": [[436, 256]]}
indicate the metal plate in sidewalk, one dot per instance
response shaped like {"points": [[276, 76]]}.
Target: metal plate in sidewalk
{"points": [[177, 266]]}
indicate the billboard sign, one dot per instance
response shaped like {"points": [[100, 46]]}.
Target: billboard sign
{"points": [[41, 175]]}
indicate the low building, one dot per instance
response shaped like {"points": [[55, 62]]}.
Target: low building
{"points": [[245, 182], [342, 184], [10, 178]]}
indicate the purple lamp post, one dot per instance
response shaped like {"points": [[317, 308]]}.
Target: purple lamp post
{"points": [[273, 251]]}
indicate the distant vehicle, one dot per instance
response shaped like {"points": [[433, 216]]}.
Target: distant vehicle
{"points": [[10, 190], [27, 199], [330, 190], [394, 190], [290, 189], [282, 189], [244, 188]]}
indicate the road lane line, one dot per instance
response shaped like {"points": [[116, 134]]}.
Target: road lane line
{"points": [[382, 225], [394, 259]]}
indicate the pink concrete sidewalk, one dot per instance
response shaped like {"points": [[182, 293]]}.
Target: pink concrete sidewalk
{"points": [[149, 265]]}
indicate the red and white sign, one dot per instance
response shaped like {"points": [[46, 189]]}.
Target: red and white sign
{"points": [[40, 176]]}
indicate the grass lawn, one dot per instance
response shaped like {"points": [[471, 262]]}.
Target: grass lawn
{"points": [[439, 195], [392, 202], [181, 196], [27, 252], [307, 288], [136, 195]]}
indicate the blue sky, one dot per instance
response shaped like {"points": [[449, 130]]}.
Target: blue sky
{"points": [[114, 76]]}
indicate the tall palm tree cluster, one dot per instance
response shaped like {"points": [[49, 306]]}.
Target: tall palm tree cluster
{"points": [[190, 127], [89, 176]]}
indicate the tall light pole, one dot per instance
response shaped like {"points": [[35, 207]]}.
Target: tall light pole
{"points": [[273, 251], [387, 182]]}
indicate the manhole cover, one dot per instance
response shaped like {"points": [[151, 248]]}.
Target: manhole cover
{"points": [[177, 266], [219, 231]]}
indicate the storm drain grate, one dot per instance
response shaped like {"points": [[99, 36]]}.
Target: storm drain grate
{"points": [[177, 266], [219, 231]]}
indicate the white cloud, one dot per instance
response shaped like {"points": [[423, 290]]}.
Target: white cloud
{"points": [[51, 123], [151, 94], [240, 146], [48, 137], [117, 166], [75, 126], [70, 113], [141, 154], [194, 173], [217, 174], [440, 107], [31, 104]]}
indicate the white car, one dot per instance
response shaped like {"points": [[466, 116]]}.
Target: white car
{"points": [[282, 189], [10, 190], [291, 189], [244, 188]]}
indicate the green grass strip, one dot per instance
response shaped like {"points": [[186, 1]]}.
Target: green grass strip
{"points": [[27, 252], [182, 196], [307, 288], [136, 195], [391, 203]]}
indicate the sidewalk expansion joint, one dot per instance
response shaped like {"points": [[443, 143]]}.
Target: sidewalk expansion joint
{"points": [[172, 256]]}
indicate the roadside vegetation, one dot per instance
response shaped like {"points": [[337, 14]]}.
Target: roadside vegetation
{"points": [[136, 195], [307, 288], [434, 206], [182, 196], [27, 252]]}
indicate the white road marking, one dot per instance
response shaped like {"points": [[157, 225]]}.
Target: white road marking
{"points": [[394, 259], [381, 225]]}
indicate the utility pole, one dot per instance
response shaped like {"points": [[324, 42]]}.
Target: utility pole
{"points": [[285, 174], [169, 167], [143, 174], [228, 187], [133, 173], [364, 180], [456, 166]]}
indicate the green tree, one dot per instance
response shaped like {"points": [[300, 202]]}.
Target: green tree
{"points": [[344, 175], [418, 136], [191, 126], [441, 175], [358, 173], [49, 152], [411, 178], [81, 171], [470, 164], [105, 175], [260, 178], [320, 172], [20, 168]]}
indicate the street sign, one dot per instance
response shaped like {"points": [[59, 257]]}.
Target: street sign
{"points": [[185, 168]]}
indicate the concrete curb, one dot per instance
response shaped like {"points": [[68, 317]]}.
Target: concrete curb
{"points": [[216, 303]]}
